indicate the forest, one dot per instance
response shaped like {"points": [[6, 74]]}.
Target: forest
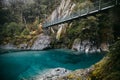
{"points": [[21, 22], [20, 18]]}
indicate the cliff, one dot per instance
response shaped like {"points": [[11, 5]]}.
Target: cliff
{"points": [[87, 35], [90, 34]]}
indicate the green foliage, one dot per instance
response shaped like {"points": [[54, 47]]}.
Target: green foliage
{"points": [[115, 21], [76, 1], [113, 76], [85, 29], [72, 33], [82, 4], [108, 68], [12, 29], [25, 32], [17, 16], [105, 28], [40, 8], [3, 14]]}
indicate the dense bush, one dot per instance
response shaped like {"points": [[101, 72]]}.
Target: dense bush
{"points": [[84, 29], [25, 32], [12, 29], [108, 68]]}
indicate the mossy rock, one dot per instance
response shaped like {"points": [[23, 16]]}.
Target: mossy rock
{"points": [[73, 77], [109, 67]]}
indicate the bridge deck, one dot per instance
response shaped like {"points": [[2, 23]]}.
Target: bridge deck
{"points": [[90, 9]]}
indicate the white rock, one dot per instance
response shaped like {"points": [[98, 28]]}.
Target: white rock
{"points": [[53, 74], [42, 42]]}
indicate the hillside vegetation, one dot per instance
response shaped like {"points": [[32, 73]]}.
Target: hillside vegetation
{"points": [[20, 19], [21, 23]]}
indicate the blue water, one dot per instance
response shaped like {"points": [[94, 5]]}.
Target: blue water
{"points": [[15, 65]]}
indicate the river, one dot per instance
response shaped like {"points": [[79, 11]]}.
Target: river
{"points": [[15, 64]]}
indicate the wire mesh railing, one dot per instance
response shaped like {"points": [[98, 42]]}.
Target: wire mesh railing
{"points": [[89, 9]]}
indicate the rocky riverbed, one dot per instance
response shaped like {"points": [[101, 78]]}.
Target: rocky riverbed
{"points": [[51, 74]]}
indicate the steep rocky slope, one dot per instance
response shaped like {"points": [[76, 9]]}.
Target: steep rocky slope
{"points": [[89, 34], [81, 35]]}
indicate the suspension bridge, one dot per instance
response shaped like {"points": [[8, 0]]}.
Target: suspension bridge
{"points": [[96, 6]]}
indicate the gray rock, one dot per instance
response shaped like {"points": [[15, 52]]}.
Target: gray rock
{"points": [[50, 74], [85, 46], [23, 46], [53, 74], [42, 42], [8, 46]]}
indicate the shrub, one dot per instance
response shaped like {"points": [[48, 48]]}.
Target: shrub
{"points": [[25, 32], [12, 29]]}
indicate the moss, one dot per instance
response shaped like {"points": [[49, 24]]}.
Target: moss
{"points": [[109, 67], [73, 77], [30, 43], [113, 76], [25, 32]]}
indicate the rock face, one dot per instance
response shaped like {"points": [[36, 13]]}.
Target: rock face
{"points": [[64, 9], [8, 46], [85, 46], [42, 42], [53, 74], [23, 46]]}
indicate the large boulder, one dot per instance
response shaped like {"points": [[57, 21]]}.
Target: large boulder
{"points": [[42, 42], [85, 46]]}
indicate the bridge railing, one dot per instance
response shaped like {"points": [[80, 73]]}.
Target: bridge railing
{"points": [[95, 7], [108, 4]]}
